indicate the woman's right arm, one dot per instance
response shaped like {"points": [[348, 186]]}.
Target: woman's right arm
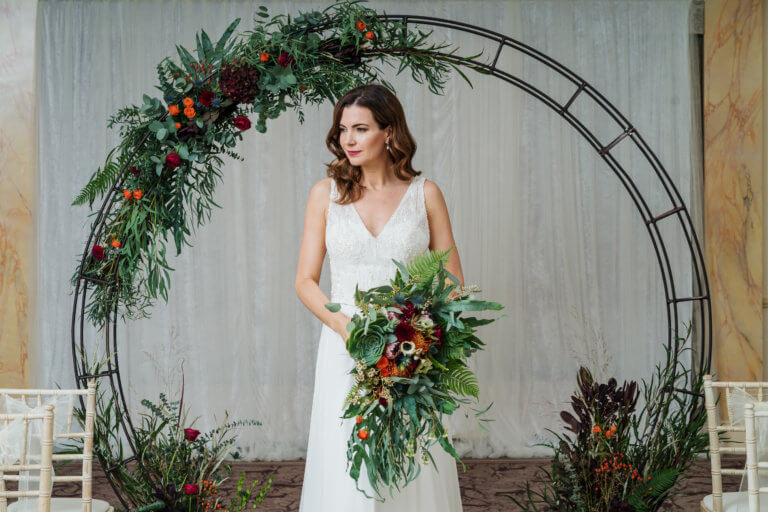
{"points": [[311, 255]]}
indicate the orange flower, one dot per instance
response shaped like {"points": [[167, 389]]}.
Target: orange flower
{"points": [[369, 35], [421, 342], [127, 193], [188, 102], [610, 433], [264, 57], [359, 419], [137, 194], [173, 110], [596, 429], [189, 112], [382, 363], [178, 125], [115, 243], [363, 434], [360, 26]]}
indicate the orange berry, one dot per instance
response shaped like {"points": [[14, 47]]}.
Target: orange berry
{"points": [[363, 434], [359, 419], [137, 194], [369, 35], [264, 57], [173, 110], [178, 125], [127, 194], [188, 102], [189, 112], [596, 429], [360, 26], [115, 243]]}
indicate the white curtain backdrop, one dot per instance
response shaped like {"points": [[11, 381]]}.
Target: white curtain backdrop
{"points": [[542, 224]]}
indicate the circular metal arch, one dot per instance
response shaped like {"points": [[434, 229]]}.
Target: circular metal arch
{"points": [[701, 304]]}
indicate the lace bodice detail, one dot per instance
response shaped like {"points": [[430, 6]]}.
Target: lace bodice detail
{"points": [[356, 257]]}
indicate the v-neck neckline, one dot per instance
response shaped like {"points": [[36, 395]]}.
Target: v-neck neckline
{"points": [[389, 221]]}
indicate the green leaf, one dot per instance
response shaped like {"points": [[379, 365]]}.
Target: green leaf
{"points": [[334, 307], [225, 36], [161, 133], [183, 151]]}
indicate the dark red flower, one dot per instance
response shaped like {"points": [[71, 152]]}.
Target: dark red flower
{"points": [[438, 336], [383, 401], [239, 81], [191, 434], [98, 252], [242, 122], [206, 98], [191, 489], [285, 60], [134, 170], [172, 160], [404, 331]]}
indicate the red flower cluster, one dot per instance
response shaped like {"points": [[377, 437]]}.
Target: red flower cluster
{"points": [[206, 98], [98, 252], [242, 122], [285, 60], [172, 160], [190, 434]]}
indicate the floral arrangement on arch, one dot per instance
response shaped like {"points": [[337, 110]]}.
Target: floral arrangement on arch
{"points": [[158, 183]]}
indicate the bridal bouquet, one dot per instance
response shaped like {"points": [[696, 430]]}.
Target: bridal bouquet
{"points": [[411, 345]]}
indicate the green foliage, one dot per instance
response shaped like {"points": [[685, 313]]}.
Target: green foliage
{"points": [[177, 200], [639, 464], [460, 379]]}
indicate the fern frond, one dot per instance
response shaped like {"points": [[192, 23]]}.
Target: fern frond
{"points": [[424, 267], [460, 380], [99, 182]]}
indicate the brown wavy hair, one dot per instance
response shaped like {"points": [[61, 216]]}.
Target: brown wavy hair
{"points": [[387, 111]]}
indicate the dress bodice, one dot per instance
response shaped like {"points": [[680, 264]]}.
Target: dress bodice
{"points": [[356, 257]]}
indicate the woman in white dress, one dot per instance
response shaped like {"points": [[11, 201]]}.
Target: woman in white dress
{"points": [[372, 208]]}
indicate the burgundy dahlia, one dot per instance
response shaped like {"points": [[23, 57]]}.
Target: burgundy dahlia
{"points": [[239, 81], [404, 331], [191, 489]]}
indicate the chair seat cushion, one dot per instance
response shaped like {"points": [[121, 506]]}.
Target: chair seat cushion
{"points": [[62, 505], [735, 502]]}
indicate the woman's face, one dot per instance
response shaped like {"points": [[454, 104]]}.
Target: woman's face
{"points": [[360, 137]]}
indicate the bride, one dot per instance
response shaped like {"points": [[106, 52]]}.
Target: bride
{"points": [[373, 208]]}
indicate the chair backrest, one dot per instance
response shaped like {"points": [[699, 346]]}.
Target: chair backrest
{"points": [[63, 430], [21, 463], [716, 425]]}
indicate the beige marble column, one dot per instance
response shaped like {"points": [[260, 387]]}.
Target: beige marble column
{"points": [[733, 183], [17, 186]]}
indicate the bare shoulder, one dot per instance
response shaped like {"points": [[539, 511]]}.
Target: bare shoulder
{"points": [[321, 191], [433, 196]]}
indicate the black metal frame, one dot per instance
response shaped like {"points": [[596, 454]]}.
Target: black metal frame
{"points": [[625, 130]]}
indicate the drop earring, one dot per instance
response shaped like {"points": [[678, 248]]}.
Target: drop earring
{"points": [[387, 144]]}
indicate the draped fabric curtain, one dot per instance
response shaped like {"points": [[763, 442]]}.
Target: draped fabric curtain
{"points": [[541, 223]]}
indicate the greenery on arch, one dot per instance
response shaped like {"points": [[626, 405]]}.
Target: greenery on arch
{"points": [[160, 179]]}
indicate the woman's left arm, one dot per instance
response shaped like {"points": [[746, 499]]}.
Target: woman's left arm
{"points": [[440, 233]]}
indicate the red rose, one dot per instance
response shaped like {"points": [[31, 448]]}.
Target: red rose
{"points": [[206, 98], [285, 60], [191, 489], [191, 434], [242, 122], [404, 331], [98, 252], [172, 160]]}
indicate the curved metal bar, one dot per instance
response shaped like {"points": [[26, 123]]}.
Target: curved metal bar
{"points": [[582, 89]]}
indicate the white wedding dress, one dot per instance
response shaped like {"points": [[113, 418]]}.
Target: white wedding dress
{"points": [[356, 257]]}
